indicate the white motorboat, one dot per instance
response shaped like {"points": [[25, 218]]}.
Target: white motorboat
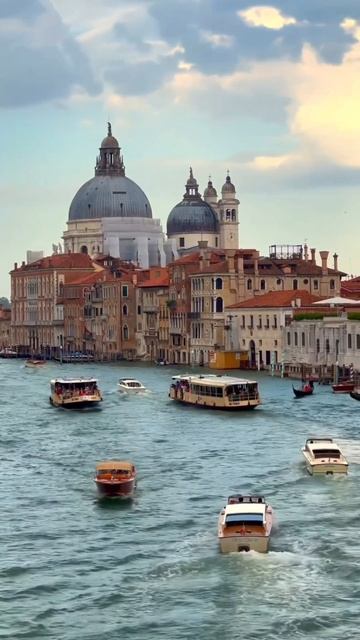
{"points": [[130, 385], [323, 455], [245, 524]]}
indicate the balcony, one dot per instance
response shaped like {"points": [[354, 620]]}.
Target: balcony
{"points": [[151, 333], [194, 315], [58, 322], [175, 330], [150, 308]]}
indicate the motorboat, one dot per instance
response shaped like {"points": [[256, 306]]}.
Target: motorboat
{"points": [[35, 364], [130, 385], [306, 390], [344, 386], [7, 352], [115, 478], [75, 393], [323, 455], [214, 391], [245, 524]]}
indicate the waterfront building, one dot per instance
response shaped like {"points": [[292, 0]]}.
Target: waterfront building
{"points": [[37, 318], [323, 336], [110, 214], [153, 316], [205, 219], [5, 322], [257, 325]]}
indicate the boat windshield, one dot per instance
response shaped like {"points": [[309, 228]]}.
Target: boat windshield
{"points": [[244, 518], [327, 453], [113, 472]]}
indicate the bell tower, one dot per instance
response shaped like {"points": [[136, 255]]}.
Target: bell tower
{"points": [[229, 216]]}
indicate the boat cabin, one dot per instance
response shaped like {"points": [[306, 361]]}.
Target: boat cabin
{"points": [[74, 387], [322, 448], [245, 514], [217, 386], [115, 470]]}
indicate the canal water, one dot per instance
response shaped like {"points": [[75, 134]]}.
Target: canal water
{"points": [[75, 568]]}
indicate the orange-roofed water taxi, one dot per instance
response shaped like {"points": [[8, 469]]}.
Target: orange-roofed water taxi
{"points": [[215, 391], [75, 393], [116, 478], [245, 524]]}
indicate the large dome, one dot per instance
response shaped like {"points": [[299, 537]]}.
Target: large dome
{"points": [[110, 197]]}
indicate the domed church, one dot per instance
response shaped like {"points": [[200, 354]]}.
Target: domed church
{"points": [[110, 214], [196, 218]]}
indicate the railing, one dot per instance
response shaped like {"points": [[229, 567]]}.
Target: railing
{"points": [[150, 308], [175, 330], [194, 315]]}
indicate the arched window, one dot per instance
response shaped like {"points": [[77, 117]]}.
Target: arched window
{"points": [[262, 285], [295, 339], [228, 215], [84, 249], [249, 284], [219, 305], [125, 310], [126, 332], [218, 283], [295, 284]]}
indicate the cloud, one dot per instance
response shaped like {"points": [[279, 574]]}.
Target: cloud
{"points": [[218, 39], [42, 61], [267, 17]]}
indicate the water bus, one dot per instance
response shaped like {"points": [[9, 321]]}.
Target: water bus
{"points": [[245, 524], [75, 393], [115, 478], [215, 391], [323, 455]]}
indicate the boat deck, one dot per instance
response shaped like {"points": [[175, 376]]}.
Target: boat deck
{"points": [[247, 530]]}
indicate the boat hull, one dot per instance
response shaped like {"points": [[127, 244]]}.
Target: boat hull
{"points": [[355, 395], [214, 403], [116, 489], [75, 403], [325, 468], [239, 543], [343, 387]]}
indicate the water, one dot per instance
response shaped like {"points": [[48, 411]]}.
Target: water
{"points": [[76, 568]]}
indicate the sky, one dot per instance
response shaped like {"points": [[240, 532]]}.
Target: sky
{"points": [[269, 91]]}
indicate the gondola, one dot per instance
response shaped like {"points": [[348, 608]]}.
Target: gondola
{"points": [[300, 393], [355, 395]]}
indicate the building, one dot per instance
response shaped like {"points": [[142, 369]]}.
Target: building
{"points": [[110, 214], [153, 305], [257, 325], [37, 318], [205, 219], [5, 324], [351, 288]]}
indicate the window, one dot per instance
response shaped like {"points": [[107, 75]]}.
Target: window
{"points": [[219, 305], [218, 283], [349, 341], [306, 281], [327, 345], [317, 345], [125, 310], [84, 249], [295, 284], [275, 322], [358, 340], [139, 310], [181, 242], [332, 284], [249, 284], [262, 285], [303, 339], [278, 282], [243, 322], [295, 339], [125, 291], [216, 241], [316, 284], [126, 332], [289, 338]]}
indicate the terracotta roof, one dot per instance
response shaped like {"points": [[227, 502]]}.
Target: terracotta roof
{"points": [[155, 282], [299, 267], [277, 299], [59, 261], [351, 287], [194, 257], [86, 278]]}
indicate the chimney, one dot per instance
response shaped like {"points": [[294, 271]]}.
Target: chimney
{"points": [[313, 259], [231, 261], [335, 256], [256, 266], [240, 265], [306, 253], [23, 263], [15, 266], [202, 244], [324, 257]]}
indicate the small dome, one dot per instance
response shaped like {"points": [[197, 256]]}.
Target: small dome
{"points": [[109, 143], [228, 187], [192, 217], [210, 191]]}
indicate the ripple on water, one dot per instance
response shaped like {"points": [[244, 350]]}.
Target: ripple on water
{"points": [[75, 566]]}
